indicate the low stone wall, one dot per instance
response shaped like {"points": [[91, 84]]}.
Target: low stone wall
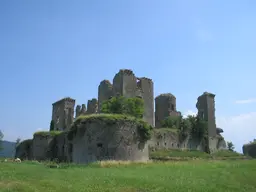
{"points": [[164, 138], [250, 150], [43, 146], [61, 150], [25, 150], [99, 140]]}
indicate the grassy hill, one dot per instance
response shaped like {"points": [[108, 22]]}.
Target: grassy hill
{"points": [[175, 176], [8, 149]]}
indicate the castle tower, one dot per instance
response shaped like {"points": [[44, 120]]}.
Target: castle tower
{"points": [[126, 84], [206, 111], [63, 113], [92, 106], [145, 90], [165, 106], [105, 92]]}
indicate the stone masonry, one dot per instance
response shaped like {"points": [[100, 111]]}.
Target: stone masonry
{"points": [[126, 84], [165, 106], [63, 113], [206, 111]]}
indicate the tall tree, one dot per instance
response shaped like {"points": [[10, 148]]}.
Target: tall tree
{"points": [[1, 140], [231, 146]]}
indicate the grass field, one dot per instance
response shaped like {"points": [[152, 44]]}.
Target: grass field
{"points": [[180, 176]]}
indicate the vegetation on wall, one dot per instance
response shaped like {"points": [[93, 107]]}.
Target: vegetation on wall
{"points": [[122, 105], [47, 133], [191, 125], [143, 128]]}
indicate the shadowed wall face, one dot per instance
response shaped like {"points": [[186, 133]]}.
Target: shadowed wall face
{"points": [[165, 106], [147, 94], [206, 111], [63, 113], [105, 92], [92, 106], [100, 141]]}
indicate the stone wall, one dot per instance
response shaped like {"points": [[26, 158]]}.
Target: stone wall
{"points": [[25, 150], [43, 146], [61, 148], [206, 111], [126, 84], [99, 140], [165, 106], [165, 138], [250, 150], [92, 106], [105, 92], [63, 113], [146, 87]]}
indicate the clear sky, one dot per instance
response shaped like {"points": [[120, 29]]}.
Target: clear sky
{"points": [[52, 49]]}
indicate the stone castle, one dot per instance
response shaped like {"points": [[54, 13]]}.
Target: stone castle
{"points": [[126, 84]]}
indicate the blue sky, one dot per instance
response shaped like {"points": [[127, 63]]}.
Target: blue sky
{"points": [[52, 49]]}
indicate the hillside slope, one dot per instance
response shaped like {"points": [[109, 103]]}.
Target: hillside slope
{"points": [[8, 149]]}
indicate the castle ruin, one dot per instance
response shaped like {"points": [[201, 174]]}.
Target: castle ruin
{"points": [[126, 84]]}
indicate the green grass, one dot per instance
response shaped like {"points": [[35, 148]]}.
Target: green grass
{"points": [[176, 154], [193, 176], [47, 133]]}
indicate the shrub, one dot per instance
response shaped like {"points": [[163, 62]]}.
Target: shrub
{"points": [[47, 133], [172, 122], [121, 105]]}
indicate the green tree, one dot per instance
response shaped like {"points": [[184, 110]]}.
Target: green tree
{"points": [[172, 122], [52, 125], [1, 140], [199, 127], [231, 146], [122, 105]]}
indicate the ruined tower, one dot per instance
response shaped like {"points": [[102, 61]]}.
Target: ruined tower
{"points": [[92, 106], [63, 113], [206, 111], [105, 92], [126, 84], [165, 106]]}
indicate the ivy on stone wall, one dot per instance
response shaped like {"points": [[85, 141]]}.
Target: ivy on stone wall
{"points": [[190, 125]]}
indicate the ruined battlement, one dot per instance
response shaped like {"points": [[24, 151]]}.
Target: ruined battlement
{"points": [[106, 82], [64, 99], [208, 94], [145, 78], [165, 95], [126, 71]]}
